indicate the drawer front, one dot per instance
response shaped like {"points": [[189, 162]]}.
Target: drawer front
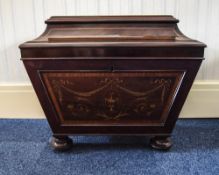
{"points": [[117, 97]]}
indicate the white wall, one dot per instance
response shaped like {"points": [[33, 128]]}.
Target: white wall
{"points": [[22, 20]]}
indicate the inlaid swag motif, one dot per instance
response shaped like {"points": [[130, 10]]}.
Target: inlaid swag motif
{"points": [[110, 96], [114, 75]]}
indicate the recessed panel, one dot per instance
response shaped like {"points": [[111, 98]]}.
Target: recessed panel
{"points": [[112, 97]]}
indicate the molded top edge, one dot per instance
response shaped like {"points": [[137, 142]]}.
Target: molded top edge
{"points": [[111, 19]]}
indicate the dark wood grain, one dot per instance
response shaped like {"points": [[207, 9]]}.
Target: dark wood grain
{"points": [[112, 98], [112, 75]]}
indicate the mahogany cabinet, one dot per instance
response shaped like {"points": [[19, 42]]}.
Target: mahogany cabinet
{"points": [[115, 75]]}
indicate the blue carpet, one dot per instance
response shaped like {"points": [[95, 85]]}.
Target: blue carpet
{"points": [[24, 150]]}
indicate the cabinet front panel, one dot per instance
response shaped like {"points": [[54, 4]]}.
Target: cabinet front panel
{"points": [[106, 98]]}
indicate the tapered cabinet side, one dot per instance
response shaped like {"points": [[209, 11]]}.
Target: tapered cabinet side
{"points": [[112, 75]]}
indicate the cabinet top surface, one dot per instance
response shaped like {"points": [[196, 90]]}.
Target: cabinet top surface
{"points": [[112, 31], [108, 19]]}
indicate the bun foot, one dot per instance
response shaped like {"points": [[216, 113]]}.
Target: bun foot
{"points": [[161, 143], [61, 143]]}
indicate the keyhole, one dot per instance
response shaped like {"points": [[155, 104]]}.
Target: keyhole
{"points": [[112, 68]]}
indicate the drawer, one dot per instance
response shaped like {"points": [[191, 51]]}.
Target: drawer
{"points": [[112, 97]]}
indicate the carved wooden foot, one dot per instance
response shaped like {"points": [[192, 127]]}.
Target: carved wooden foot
{"points": [[161, 143], [61, 143]]}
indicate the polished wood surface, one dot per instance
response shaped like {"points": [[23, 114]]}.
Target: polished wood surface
{"points": [[112, 98], [109, 19], [126, 75]]}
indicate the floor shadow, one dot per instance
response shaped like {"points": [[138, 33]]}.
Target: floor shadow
{"points": [[188, 135], [110, 143]]}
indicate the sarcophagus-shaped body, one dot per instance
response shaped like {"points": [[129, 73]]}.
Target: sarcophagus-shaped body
{"points": [[125, 75]]}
